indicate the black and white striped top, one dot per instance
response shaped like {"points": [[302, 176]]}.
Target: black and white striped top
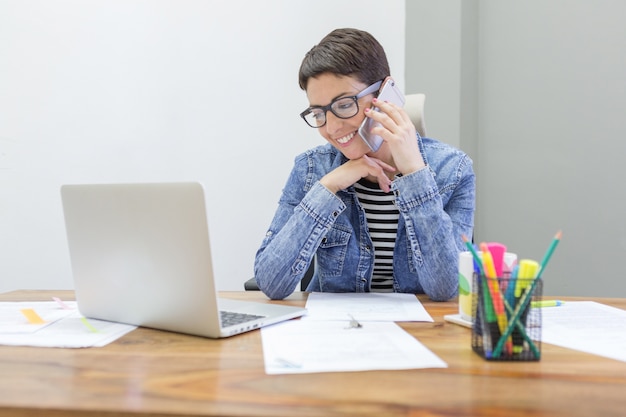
{"points": [[382, 220]]}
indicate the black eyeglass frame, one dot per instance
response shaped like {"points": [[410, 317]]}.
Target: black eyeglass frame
{"points": [[369, 90]]}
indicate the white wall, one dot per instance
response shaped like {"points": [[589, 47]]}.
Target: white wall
{"points": [[128, 90], [540, 108]]}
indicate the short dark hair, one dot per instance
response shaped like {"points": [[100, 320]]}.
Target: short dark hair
{"points": [[350, 52]]}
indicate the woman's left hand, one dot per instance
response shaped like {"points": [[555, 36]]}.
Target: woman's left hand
{"points": [[398, 132]]}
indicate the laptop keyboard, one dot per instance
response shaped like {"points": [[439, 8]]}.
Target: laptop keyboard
{"points": [[230, 318]]}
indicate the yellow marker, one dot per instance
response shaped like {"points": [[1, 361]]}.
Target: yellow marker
{"points": [[490, 268], [526, 273], [31, 316], [546, 303]]}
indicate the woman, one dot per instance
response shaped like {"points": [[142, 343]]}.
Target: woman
{"points": [[389, 220]]}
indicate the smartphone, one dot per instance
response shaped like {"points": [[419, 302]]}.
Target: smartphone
{"points": [[388, 92]]}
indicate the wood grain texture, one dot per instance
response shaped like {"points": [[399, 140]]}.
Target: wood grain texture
{"points": [[155, 373]]}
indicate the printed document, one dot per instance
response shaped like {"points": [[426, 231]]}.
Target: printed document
{"points": [[365, 307], [305, 346], [586, 326]]}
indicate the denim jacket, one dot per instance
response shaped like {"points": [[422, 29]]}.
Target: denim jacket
{"points": [[436, 207]]}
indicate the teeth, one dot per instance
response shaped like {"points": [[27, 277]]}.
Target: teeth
{"points": [[346, 138]]}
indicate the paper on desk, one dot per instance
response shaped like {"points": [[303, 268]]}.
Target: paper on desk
{"points": [[365, 307], [306, 346], [64, 328], [14, 322], [586, 326]]}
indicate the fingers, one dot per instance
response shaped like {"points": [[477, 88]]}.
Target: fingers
{"points": [[385, 166], [393, 113], [384, 183], [378, 169], [353, 170], [398, 132], [394, 122]]}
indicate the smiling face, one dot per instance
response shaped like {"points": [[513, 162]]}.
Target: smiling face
{"points": [[341, 133]]}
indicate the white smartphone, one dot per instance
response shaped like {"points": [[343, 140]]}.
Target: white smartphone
{"points": [[388, 92]]}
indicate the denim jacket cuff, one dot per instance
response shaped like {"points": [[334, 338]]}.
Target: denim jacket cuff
{"points": [[322, 205], [414, 189]]}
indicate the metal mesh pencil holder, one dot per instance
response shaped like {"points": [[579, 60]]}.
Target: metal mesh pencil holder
{"points": [[505, 325]]}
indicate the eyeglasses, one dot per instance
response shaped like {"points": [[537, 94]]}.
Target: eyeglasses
{"points": [[342, 107]]}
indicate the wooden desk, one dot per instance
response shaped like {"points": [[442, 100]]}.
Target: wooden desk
{"points": [[154, 373]]}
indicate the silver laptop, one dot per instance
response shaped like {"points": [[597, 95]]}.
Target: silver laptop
{"points": [[140, 255]]}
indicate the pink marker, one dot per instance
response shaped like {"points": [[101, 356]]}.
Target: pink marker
{"points": [[497, 253]]}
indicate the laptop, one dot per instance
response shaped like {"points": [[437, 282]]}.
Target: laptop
{"points": [[140, 255]]}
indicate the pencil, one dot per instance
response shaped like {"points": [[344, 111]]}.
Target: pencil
{"points": [[470, 247], [549, 252]]}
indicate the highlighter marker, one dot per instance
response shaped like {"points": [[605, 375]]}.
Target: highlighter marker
{"points": [[546, 303], [497, 253]]}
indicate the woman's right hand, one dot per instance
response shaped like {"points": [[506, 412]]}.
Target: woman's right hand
{"points": [[352, 171]]}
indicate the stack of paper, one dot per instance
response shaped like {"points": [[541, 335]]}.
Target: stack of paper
{"points": [[349, 332]]}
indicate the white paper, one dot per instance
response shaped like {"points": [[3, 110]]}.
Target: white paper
{"points": [[305, 346], [12, 321], [365, 307], [586, 326], [64, 328]]}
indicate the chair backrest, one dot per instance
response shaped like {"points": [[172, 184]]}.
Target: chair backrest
{"points": [[414, 106]]}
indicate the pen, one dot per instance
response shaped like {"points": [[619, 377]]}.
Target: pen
{"points": [[490, 331], [354, 323], [486, 316], [546, 303]]}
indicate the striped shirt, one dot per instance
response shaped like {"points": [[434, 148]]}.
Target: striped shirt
{"points": [[382, 221]]}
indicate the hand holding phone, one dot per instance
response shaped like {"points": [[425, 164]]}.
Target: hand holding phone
{"points": [[389, 92]]}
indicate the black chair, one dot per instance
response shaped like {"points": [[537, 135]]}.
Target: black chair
{"points": [[251, 285]]}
